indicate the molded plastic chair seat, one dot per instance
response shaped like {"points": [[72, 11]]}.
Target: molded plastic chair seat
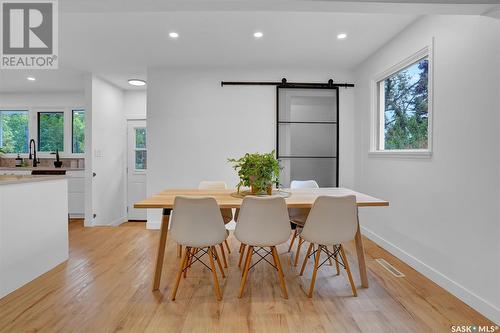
{"points": [[197, 224], [331, 222], [262, 222]]}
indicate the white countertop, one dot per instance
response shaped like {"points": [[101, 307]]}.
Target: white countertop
{"points": [[29, 168], [16, 179]]}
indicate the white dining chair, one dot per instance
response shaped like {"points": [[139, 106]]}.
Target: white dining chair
{"points": [[331, 222], [263, 222], [298, 216], [227, 213], [197, 224]]}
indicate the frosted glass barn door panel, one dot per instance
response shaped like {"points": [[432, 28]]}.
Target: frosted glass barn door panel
{"points": [[307, 140], [322, 170], [310, 105], [307, 135]]}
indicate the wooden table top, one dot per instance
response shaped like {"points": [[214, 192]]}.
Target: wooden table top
{"points": [[299, 198]]}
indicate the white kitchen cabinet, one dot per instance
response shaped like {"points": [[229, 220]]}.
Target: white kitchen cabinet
{"points": [[76, 193], [76, 189]]}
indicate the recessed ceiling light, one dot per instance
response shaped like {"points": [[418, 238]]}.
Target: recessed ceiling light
{"points": [[341, 36], [136, 82], [30, 78], [173, 34], [258, 34]]}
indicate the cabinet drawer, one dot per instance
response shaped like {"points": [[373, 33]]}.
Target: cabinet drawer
{"points": [[76, 174]]}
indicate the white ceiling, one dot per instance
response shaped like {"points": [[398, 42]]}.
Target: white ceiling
{"points": [[121, 39], [122, 45]]}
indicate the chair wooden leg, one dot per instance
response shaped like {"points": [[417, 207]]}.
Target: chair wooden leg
{"points": [[348, 270], [214, 274], [214, 251], [306, 258], [315, 271], [241, 247], [280, 271], [191, 253], [179, 274], [227, 246], [223, 255], [248, 254], [293, 240], [179, 251], [299, 245], [337, 261], [245, 271], [242, 253]]}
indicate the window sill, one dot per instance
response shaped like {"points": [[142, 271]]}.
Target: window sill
{"points": [[425, 154]]}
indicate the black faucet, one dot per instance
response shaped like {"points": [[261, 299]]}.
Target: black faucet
{"points": [[35, 162]]}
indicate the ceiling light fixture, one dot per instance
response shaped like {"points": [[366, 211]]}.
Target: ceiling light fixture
{"points": [[341, 36], [258, 34], [30, 78], [136, 82], [173, 34]]}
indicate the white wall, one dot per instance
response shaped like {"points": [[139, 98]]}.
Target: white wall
{"points": [[135, 104], [444, 215], [195, 125], [107, 157], [42, 99]]}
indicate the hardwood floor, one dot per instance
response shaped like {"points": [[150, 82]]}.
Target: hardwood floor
{"points": [[105, 286]]}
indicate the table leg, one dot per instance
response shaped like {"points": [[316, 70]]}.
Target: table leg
{"points": [[361, 257], [161, 248]]}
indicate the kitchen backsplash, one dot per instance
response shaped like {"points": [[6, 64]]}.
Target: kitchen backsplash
{"points": [[45, 162]]}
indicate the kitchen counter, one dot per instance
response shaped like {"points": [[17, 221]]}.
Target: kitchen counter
{"points": [[39, 168], [15, 179], [33, 227]]}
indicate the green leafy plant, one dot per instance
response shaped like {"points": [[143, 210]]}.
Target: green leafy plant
{"points": [[258, 171], [2, 152]]}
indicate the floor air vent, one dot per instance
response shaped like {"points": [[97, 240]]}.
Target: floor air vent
{"points": [[390, 268]]}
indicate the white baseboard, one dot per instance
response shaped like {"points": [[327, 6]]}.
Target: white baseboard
{"points": [[479, 304], [153, 225], [113, 223], [118, 221]]}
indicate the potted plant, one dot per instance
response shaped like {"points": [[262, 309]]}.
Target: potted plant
{"points": [[257, 171]]}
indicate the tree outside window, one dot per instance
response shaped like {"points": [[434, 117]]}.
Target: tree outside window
{"points": [[404, 108], [78, 131], [14, 133], [50, 131]]}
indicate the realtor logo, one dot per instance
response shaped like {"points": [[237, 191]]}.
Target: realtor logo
{"points": [[29, 34]]}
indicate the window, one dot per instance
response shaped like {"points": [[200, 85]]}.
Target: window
{"points": [[140, 149], [14, 133], [78, 131], [403, 107], [50, 131]]}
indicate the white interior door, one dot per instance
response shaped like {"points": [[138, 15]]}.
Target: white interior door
{"points": [[136, 167]]}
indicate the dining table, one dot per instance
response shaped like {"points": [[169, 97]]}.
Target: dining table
{"points": [[228, 198]]}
